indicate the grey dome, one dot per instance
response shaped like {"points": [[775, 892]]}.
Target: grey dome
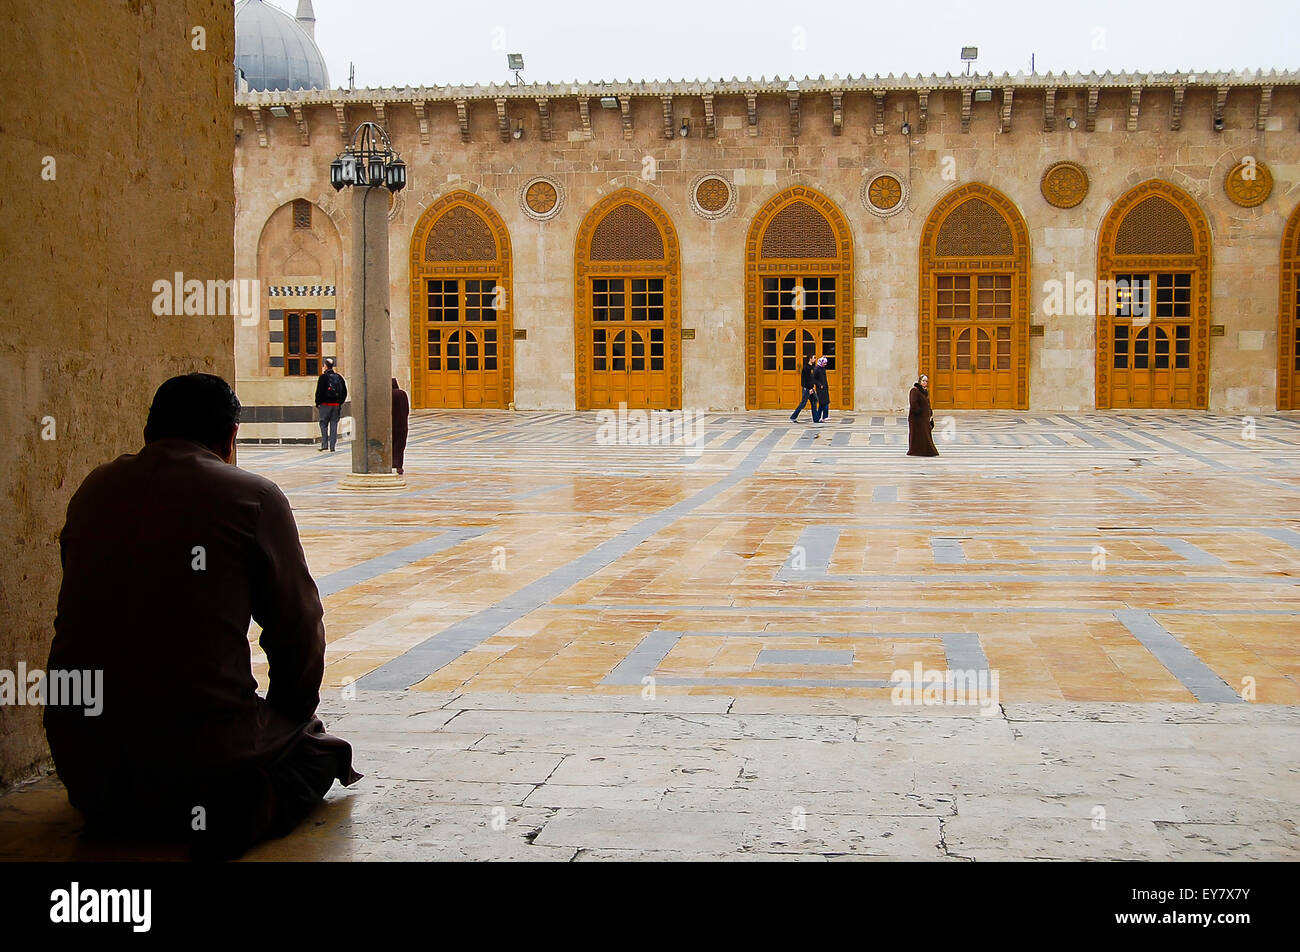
{"points": [[273, 51]]}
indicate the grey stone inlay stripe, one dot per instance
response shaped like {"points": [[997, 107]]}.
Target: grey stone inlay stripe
{"points": [[648, 654], [884, 494], [776, 682], [947, 551], [817, 543], [1289, 536], [841, 438], [1133, 494], [736, 440], [1190, 670], [1194, 554], [381, 564], [1199, 457], [431, 654], [804, 656], [962, 652]]}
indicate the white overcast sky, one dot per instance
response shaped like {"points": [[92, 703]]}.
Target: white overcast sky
{"points": [[435, 42]]}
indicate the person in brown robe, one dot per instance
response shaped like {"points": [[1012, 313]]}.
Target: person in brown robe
{"points": [[920, 420], [401, 418], [167, 553]]}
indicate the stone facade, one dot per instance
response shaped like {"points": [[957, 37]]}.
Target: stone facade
{"points": [[833, 136], [114, 182]]}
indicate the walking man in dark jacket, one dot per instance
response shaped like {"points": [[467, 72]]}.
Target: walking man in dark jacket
{"points": [[806, 386], [331, 392], [823, 405]]}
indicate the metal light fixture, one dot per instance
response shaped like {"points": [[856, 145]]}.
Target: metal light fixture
{"points": [[518, 132], [1069, 119], [907, 126], [369, 160], [608, 102], [969, 54], [685, 129], [515, 62], [1218, 123]]}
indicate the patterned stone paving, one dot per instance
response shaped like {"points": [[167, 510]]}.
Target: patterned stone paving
{"points": [[547, 647]]}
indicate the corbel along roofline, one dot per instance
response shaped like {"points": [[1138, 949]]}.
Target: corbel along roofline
{"points": [[775, 85]]}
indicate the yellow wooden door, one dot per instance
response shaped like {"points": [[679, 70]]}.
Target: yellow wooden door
{"points": [[1293, 357], [462, 340], [628, 360], [1152, 345], [973, 356], [798, 319]]}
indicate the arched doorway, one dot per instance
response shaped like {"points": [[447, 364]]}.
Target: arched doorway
{"points": [[627, 306], [1288, 326], [1153, 301], [461, 306], [798, 298], [974, 321]]}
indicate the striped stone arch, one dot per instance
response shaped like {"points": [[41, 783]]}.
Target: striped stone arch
{"points": [[823, 241], [1167, 230], [617, 224], [988, 236], [477, 245], [1288, 315]]}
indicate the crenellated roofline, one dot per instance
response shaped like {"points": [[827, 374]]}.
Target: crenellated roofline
{"points": [[778, 85]]}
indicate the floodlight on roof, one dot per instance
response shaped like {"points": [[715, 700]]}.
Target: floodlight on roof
{"points": [[516, 60]]}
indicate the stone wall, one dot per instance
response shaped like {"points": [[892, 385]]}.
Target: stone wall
{"points": [[1008, 152], [129, 122]]}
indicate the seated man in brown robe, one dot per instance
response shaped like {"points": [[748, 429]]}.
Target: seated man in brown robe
{"points": [[167, 553]]}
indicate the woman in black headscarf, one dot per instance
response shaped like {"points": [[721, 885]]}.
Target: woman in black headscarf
{"points": [[920, 420]]}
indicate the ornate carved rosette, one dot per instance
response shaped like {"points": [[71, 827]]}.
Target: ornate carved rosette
{"points": [[884, 194], [1248, 184], [712, 197], [1064, 184], [541, 198]]}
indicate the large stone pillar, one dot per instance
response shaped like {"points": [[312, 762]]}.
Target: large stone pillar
{"points": [[370, 347]]}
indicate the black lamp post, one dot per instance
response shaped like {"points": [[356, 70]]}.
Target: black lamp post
{"points": [[369, 160]]}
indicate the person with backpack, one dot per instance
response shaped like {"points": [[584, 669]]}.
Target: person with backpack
{"points": [[331, 392]]}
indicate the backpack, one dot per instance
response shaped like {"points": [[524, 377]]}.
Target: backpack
{"points": [[333, 388]]}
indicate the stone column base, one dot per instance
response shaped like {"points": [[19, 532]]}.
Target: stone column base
{"points": [[372, 482]]}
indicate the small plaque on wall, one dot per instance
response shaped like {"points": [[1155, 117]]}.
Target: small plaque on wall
{"points": [[688, 333], [521, 333], [1037, 330], [859, 332], [1216, 330]]}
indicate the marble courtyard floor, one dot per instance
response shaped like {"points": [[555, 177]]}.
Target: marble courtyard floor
{"points": [[551, 648]]}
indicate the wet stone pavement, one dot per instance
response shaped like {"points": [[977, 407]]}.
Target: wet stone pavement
{"points": [[1070, 636]]}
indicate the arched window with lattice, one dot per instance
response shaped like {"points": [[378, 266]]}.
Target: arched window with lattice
{"points": [[1153, 301], [627, 296], [461, 306], [798, 299], [974, 301]]}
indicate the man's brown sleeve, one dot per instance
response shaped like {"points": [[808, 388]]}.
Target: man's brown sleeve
{"points": [[286, 604]]}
